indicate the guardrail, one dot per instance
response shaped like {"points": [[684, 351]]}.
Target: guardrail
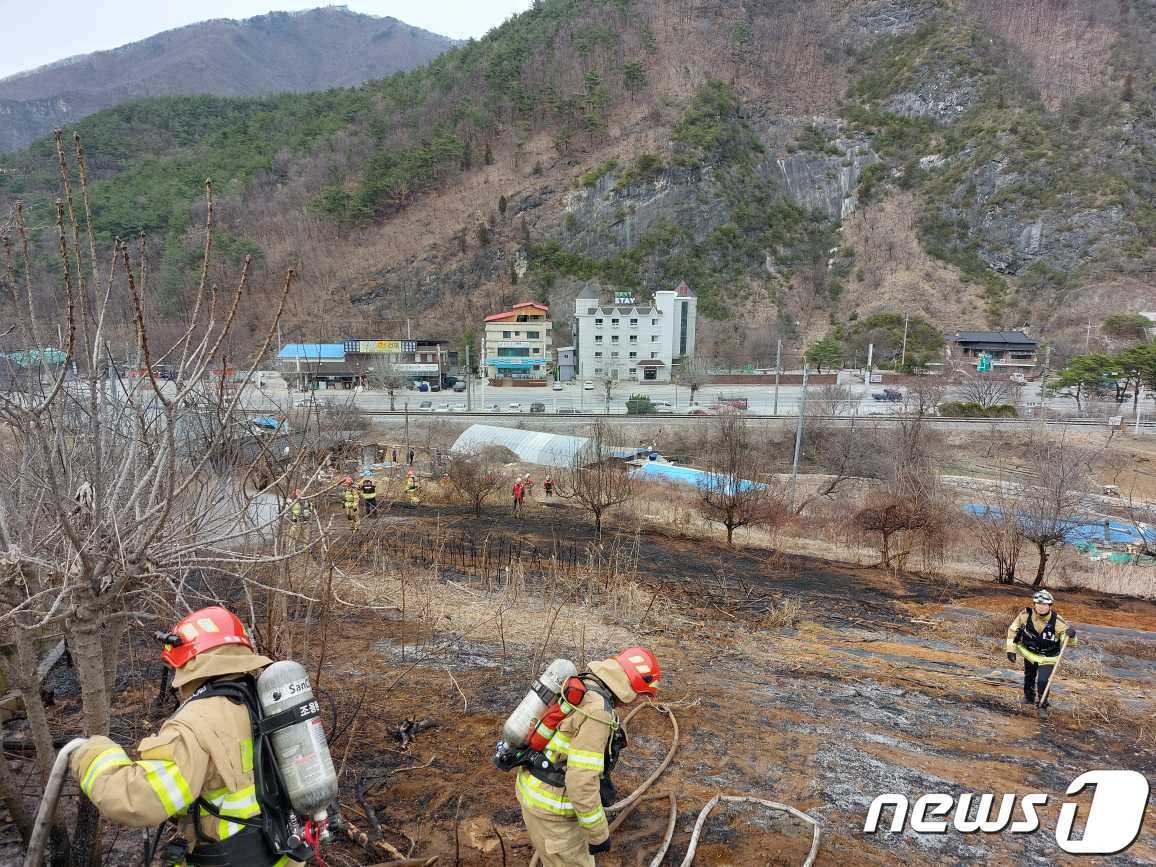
{"points": [[869, 418]]}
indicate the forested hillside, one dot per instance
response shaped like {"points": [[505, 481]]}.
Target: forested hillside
{"points": [[275, 53], [803, 166]]}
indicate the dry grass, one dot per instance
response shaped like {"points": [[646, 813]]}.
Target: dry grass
{"points": [[786, 615], [1145, 650]]}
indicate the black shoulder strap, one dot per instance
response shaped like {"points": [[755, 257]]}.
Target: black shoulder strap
{"points": [[1052, 621]]}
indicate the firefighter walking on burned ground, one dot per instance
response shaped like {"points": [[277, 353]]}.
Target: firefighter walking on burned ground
{"points": [[207, 768], [1038, 634], [300, 514], [369, 495], [412, 489], [351, 501], [565, 759]]}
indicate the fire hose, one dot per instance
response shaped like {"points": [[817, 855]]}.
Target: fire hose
{"points": [[35, 856], [627, 805]]}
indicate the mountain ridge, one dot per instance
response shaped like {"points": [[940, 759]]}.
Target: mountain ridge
{"points": [[277, 52]]}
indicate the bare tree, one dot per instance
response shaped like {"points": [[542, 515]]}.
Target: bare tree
{"points": [[833, 400], [110, 495], [476, 477], [737, 491], [595, 477], [911, 507], [997, 528], [924, 396], [385, 376], [845, 453], [692, 377], [986, 391], [1054, 496]]}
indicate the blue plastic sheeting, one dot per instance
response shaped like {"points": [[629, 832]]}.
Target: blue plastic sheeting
{"points": [[1084, 530], [312, 352], [683, 475], [267, 421]]}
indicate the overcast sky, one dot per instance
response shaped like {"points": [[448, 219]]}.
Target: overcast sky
{"points": [[35, 32]]}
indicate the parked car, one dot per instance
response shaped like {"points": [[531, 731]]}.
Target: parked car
{"points": [[434, 386], [663, 406], [569, 410], [459, 386], [514, 407], [1065, 392], [423, 386], [557, 386], [425, 405], [442, 407], [493, 407], [307, 400], [588, 386], [888, 394], [537, 406], [449, 381]]}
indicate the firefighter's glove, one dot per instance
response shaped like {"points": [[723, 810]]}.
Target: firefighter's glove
{"points": [[596, 848], [1011, 657], [1071, 635]]}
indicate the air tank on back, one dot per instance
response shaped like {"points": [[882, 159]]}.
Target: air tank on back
{"points": [[301, 749], [520, 724]]}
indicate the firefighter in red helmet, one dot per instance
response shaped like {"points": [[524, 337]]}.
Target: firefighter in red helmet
{"points": [[563, 805], [201, 755]]}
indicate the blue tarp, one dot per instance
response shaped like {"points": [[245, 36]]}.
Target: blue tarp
{"points": [[267, 421], [681, 475], [1086, 529], [312, 352]]}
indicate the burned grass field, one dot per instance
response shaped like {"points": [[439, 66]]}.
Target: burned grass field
{"points": [[794, 680]]}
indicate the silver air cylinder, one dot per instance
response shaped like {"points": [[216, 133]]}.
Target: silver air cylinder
{"points": [[542, 694], [301, 749]]}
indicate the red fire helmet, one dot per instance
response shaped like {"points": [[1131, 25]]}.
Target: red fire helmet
{"points": [[203, 630], [642, 669]]}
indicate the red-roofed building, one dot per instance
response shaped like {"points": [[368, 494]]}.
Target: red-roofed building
{"points": [[518, 342]]}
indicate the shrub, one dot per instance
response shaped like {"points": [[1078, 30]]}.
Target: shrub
{"points": [[957, 409], [639, 404]]}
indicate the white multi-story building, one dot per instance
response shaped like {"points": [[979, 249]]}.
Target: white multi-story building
{"points": [[628, 341]]}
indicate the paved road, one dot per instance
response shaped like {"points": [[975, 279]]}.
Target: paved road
{"points": [[509, 399]]}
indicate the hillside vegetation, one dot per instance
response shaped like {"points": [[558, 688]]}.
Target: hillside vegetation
{"points": [[275, 53], [801, 166]]}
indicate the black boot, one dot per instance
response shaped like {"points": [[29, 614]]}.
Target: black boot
{"points": [[1029, 697]]}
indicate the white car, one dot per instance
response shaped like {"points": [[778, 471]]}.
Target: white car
{"points": [[557, 386], [514, 407], [493, 407], [588, 386], [308, 400], [663, 406], [442, 407]]}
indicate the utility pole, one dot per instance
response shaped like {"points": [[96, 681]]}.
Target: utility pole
{"points": [[469, 381], [903, 356], [778, 368], [799, 437]]}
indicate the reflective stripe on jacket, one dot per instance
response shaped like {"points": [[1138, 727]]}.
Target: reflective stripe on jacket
{"points": [[1028, 646], [579, 746], [204, 749]]}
